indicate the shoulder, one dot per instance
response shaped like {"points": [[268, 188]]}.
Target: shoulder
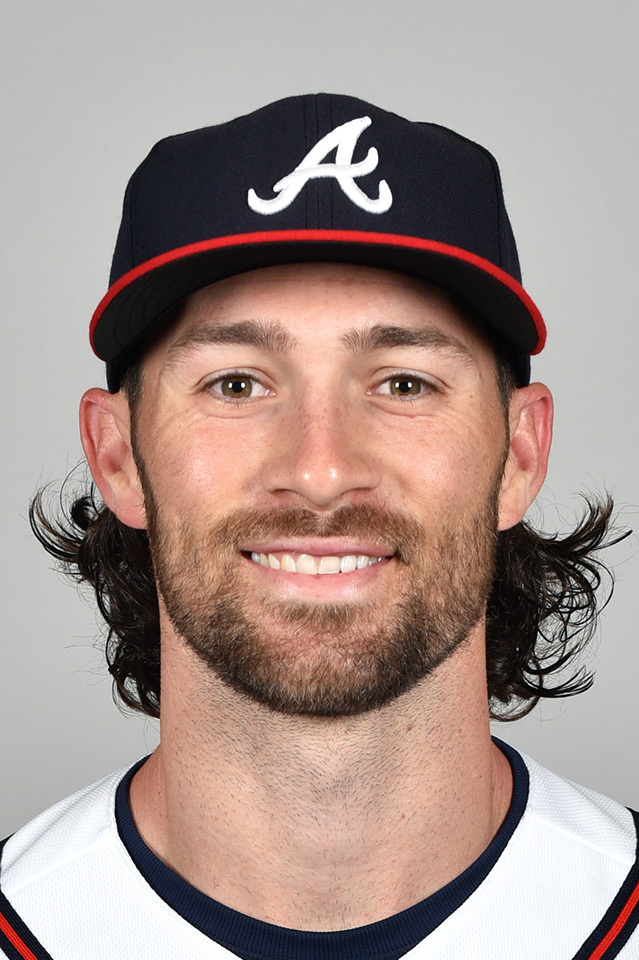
{"points": [[66, 832], [565, 875], [592, 843], [69, 889], [590, 824], [47, 864]]}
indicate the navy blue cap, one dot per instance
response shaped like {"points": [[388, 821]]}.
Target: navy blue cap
{"points": [[317, 177]]}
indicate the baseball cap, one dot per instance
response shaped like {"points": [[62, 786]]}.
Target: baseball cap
{"points": [[316, 177]]}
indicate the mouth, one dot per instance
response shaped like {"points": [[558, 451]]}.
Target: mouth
{"points": [[315, 565]]}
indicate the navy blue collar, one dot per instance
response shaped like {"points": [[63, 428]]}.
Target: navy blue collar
{"points": [[253, 939]]}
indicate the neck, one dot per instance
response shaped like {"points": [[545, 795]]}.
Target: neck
{"points": [[316, 823]]}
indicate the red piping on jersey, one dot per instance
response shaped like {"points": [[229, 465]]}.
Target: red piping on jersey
{"points": [[617, 926], [16, 941], [333, 236]]}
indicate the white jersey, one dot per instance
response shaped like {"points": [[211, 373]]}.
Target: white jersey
{"points": [[560, 881]]}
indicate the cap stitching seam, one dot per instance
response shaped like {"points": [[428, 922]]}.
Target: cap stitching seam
{"points": [[498, 192], [135, 252], [498, 186], [332, 184], [316, 186]]}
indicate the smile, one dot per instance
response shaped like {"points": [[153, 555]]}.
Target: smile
{"points": [[308, 564]]}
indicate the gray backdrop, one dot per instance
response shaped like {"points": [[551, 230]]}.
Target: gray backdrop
{"points": [[550, 87]]}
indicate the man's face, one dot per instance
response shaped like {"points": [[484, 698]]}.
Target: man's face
{"points": [[321, 448]]}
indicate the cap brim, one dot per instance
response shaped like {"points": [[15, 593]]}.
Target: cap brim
{"points": [[139, 298]]}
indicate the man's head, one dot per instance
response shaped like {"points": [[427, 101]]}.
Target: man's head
{"points": [[345, 415], [318, 315], [318, 292], [297, 212]]}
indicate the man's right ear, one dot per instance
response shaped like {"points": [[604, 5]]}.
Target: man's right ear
{"points": [[105, 430]]}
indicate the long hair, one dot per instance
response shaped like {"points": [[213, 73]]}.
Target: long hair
{"points": [[542, 611]]}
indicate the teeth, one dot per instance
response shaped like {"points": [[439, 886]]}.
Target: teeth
{"points": [[328, 565], [305, 563]]}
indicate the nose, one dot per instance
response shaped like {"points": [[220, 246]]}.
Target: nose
{"points": [[320, 456]]}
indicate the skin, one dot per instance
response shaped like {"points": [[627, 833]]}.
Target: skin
{"points": [[311, 822]]}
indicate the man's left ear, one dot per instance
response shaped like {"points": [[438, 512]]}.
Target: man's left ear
{"points": [[530, 419], [105, 429]]}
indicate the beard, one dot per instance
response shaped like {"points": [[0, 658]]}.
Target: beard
{"points": [[318, 658]]}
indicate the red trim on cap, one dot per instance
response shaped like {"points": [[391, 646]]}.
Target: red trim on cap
{"points": [[333, 236]]}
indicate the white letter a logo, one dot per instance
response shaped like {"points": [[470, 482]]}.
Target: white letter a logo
{"points": [[343, 170]]}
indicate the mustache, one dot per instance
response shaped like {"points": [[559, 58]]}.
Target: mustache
{"points": [[389, 528]]}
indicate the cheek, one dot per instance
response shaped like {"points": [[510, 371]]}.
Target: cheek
{"points": [[197, 462], [444, 465]]}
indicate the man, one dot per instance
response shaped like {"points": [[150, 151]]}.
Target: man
{"points": [[316, 452]]}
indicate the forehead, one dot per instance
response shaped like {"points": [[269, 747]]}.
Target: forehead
{"points": [[321, 302]]}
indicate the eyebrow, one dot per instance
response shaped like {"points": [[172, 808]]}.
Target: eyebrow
{"points": [[380, 336], [269, 336], [256, 333]]}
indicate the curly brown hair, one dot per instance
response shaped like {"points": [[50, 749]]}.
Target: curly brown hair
{"points": [[541, 613]]}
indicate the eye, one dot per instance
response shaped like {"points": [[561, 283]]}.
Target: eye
{"points": [[406, 385], [237, 386]]}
